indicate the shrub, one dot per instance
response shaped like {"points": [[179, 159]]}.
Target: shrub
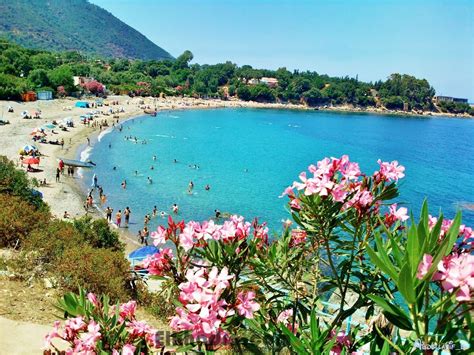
{"points": [[18, 219], [98, 233], [15, 182], [51, 241], [97, 270]]}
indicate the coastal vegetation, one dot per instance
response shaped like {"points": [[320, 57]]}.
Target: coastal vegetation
{"points": [[23, 69], [81, 253], [353, 272]]}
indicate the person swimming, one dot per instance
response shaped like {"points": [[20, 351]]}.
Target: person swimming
{"points": [[136, 172], [124, 184], [154, 157], [152, 167], [175, 208], [175, 161], [150, 181], [155, 211], [162, 214], [207, 188]]}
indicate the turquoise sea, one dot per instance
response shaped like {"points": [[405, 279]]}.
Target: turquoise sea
{"points": [[248, 157]]}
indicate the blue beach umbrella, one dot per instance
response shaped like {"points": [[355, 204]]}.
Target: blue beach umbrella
{"points": [[143, 252], [49, 126], [27, 148]]}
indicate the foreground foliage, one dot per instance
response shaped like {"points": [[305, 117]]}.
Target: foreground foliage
{"points": [[393, 285]]}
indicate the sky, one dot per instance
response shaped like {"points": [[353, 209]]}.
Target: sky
{"points": [[431, 39]]}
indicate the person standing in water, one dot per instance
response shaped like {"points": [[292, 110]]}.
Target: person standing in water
{"points": [[94, 180], [124, 184], [155, 211], [108, 213], [118, 218], [145, 235], [190, 187], [127, 212]]}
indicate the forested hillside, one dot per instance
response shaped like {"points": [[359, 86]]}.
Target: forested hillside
{"points": [[73, 25]]}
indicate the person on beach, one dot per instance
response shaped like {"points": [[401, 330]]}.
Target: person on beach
{"points": [[88, 141], [72, 171], [89, 201], [66, 215], [58, 174], [118, 218], [103, 199], [124, 184], [140, 236], [127, 212], [145, 235], [61, 166], [108, 213], [175, 208]]}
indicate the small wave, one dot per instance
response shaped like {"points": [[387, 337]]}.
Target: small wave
{"points": [[103, 133], [185, 138], [162, 135], [172, 116]]}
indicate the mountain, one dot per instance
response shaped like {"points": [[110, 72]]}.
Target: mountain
{"points": [[60, 25]]}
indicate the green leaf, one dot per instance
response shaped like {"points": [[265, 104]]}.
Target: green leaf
{"points": [[412, 246], [296, 343], [405, 284], [393, 313], [380, 264]]}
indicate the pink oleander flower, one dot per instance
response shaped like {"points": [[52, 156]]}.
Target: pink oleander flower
{"points": [[456, 273], [186, 238], [203, 311], [287, 223], [342, 341], [395, 214], [52, 335], [89, 340], [93, 299], [138, 328], [389, 171], [295, 204], [127, 310], [128, 349], [246, 305], [298, 236], [160, 263], [159, 236], [285, 317], [424, 266]]}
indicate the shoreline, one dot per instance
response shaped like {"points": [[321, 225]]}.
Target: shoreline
{"points": [[69, 195]]}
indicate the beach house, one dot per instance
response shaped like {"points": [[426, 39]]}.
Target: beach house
{"points": [[438, 99]]}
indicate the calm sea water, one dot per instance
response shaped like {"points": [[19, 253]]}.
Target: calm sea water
{"points": [[249, 156]]}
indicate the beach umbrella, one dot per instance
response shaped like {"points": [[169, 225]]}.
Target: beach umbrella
{"points": [[31, 161], [28, 148], [143, 252]]}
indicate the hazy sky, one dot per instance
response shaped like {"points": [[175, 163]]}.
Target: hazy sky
{"points": [[432, 39]]}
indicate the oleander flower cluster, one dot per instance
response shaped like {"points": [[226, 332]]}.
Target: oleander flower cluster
{"points": [[455, 273], [90, 333], [466, 234], [195, 234], [342, 181], [205, 310]]}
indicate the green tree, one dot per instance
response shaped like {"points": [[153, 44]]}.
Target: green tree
{"points": [[61, 76], [39, 78]]}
